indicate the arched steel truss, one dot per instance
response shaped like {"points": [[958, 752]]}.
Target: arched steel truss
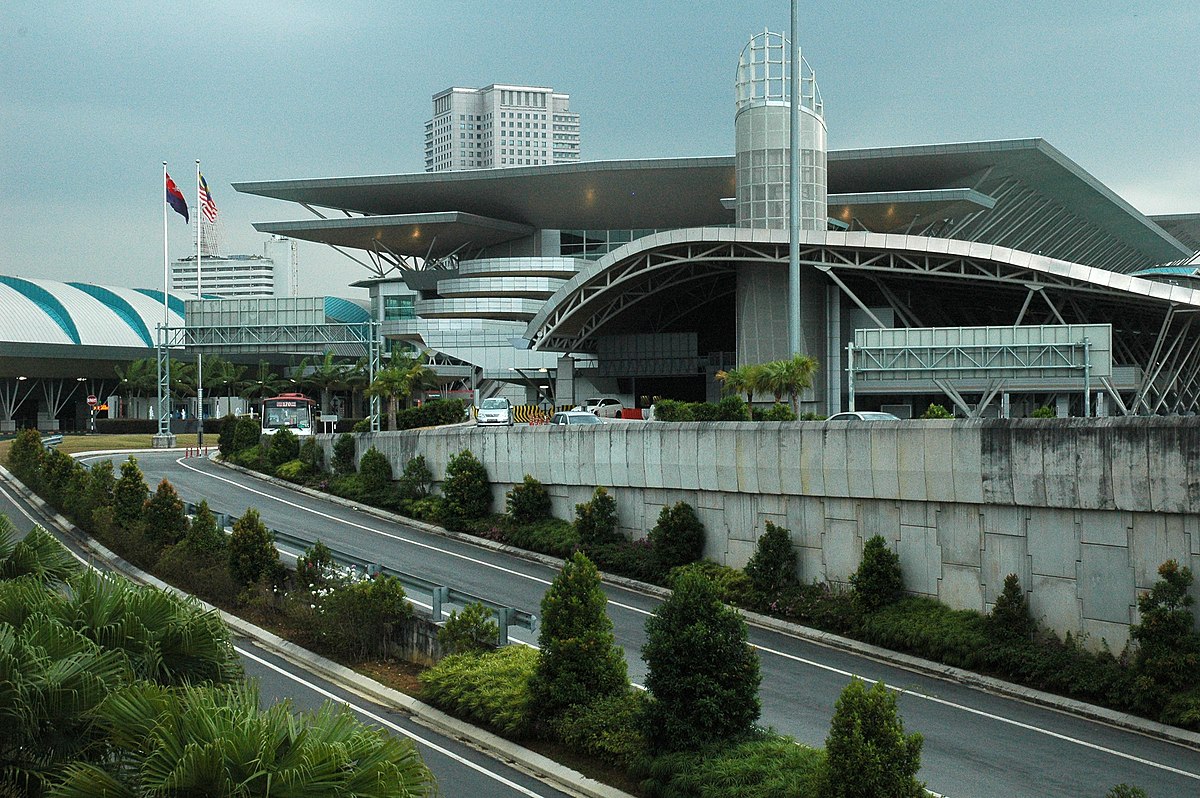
{"points": [[1154, 323]]}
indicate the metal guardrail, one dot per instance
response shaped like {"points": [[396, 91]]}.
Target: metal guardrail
{"points": [[50, 441], [439, 594]]}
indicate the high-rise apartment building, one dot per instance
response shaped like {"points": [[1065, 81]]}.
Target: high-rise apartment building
{"points": [[500, 126], [272, 274]]}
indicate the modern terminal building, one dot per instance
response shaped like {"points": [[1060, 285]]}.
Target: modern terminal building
{"points": [[991, 276]]}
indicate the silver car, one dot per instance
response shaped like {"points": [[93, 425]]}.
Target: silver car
{"points": [[863, 415], [496, 411], [574, 418]]}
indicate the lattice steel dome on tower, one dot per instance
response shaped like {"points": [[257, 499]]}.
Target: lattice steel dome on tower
{"points": [[762, 126]]}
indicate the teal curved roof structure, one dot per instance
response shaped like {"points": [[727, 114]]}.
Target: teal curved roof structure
{"points": [[120, 307], [47, 302], [345, 311], [173, 302]]}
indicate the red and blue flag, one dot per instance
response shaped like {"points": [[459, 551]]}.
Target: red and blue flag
{"points": [[175, 199]]}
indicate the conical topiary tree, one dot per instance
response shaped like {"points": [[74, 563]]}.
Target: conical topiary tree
{"points": [[772, 568], [166, 523], [868, 753], [579, 660], [129, 495], [252, 552]]}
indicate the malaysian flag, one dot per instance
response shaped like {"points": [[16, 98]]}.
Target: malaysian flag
{"points": [[207, 206]]}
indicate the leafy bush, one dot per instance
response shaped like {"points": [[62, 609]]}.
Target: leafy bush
{"points": [[312, 455], [920, 625], [596, 520], [431, 509], [550, 536], [701, 672], [764, 767], [1168, 652], [343, 454], [678, 536], [431, 414], [247, 433], [1044, 411], [376, 474], [772, 567], [730, 408], [608, 729], [1010, 616], [579, 659], [129, 494], [733, 408], [203, 536], [225, 440], [364, 618], [417, 480], [878, 581], [25, 457], [254, 458], [252, 552], [777, 412], [936, 411], [292, 471], [528, 502], [490, 688], [284, 446], [632, 558], [314, 565], [466, 489], [101, 486], [867, 751], [57, 468], [673, 410], [1126, 791], [473, 630], [163, 516], [733, 586]]}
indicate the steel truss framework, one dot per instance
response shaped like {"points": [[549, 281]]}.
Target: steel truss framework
{"points": [[382, 259], [347, 340], [1153, 333]]}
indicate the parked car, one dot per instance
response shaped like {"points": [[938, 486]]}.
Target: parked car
{"points": [[574, 418], [863, 415], [603, 406], [495, 411]]}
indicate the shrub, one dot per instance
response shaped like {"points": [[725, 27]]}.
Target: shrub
{"points": [[867, 751], [1168, 649], [672, 410], [766, 767], [490, 688], [878, 581], [417, 480], [292, 471], [312, 456], [364, 618], [733, 586], [284, 447], [608, 729], [376, 474], [732, 408], [596, 520], [467, 491], [431, 414], [1010, 618], [56, 476], [778, 412], [678, 536], [314, 565], [431, 509], [25, 457], [1126, 791], [203, 536], [1044, 411], [772, 567], [252, 552], [101, 486], [701, 671], [129, 494], [936, 411], [632, 558], [549, 536], [225, 441], [473, 630], [247, 433], [344, 451], [528, 502], [163, 516], [579, 659]]}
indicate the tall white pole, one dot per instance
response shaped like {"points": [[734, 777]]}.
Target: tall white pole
{"points": [[794, 191], [166, 261], [199, 357]]}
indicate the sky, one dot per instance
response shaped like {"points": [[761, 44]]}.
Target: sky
{"points": [[95, 96]]}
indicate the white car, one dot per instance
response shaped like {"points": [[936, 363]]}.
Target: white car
{"points": [[574, 418], [496, 411], [603, 406], [863, 415]]}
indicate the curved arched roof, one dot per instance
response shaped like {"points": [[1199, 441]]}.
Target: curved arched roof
{"points": [[36, 311]]}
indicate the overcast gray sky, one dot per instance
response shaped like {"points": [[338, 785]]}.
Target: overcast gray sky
{"points": [[94, 96]]}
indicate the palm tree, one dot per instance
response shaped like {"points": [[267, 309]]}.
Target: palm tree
{"points": [[789, 377], [739, 380], [138, 379], [391, 383], [323, 376], [37, 555], [262, 383], [210, 741]]}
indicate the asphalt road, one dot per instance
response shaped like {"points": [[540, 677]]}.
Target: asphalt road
{"points": [[462, 771], [976, 743]]}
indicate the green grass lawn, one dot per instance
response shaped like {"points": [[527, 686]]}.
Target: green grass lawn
{"points": [[73, 444]]}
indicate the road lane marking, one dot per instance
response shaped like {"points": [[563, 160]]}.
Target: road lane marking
{"points": [[784, 655], [385, 722]]}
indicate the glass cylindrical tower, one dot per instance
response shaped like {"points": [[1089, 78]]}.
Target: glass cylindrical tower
{"points": [[762, 127]]}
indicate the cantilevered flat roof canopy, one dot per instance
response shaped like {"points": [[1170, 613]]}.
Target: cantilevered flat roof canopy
{"points": [[412, 233]]}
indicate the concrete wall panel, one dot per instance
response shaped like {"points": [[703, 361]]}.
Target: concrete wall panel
{"points": [[767, 465], [936, 465], [1104, 528], [960, 587], [1106, 583], [835, 463], [911, 467], [810, 440], [1052, 602], [920, 559], [960, 534], [688, 438], [843, 549], [885, 461], [1053, 544], [1003, 555], [859, 467]]}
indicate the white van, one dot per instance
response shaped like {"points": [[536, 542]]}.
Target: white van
{"points": [[495, 411]]}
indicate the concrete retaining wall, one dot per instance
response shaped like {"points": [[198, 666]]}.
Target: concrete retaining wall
{"points": [[1082, 510]]}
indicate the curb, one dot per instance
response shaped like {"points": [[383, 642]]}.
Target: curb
{"points": [[560, 776], [827, 639]]}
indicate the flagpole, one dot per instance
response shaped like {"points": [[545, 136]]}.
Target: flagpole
{"points": [[163, 438], [199, 296]]}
